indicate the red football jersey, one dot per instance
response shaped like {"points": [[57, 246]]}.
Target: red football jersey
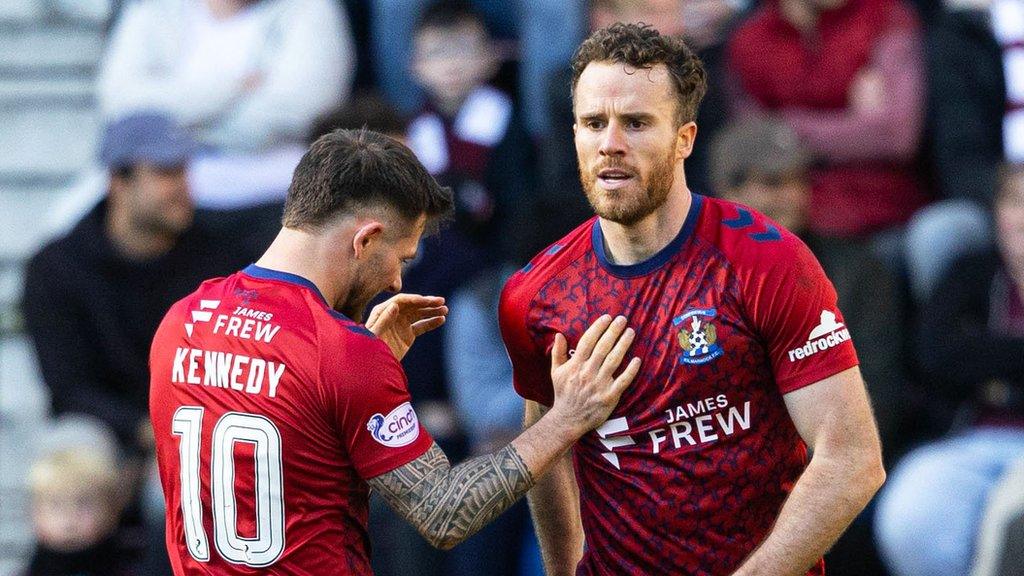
{"points": [[270, 411], [692, 467]]}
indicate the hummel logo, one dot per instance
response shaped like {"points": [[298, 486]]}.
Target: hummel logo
{"points": [[202, 315], [614, 427]]}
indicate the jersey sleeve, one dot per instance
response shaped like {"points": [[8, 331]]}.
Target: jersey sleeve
{"points": [[531, 364], [793, 305], [371, 406]]}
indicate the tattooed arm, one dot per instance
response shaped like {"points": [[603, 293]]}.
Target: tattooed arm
{"points": [[449, 504]]}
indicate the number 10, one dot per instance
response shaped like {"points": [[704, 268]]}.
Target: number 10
{"points": [[267, 546]]}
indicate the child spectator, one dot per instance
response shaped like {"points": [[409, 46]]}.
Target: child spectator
{"points": [[468, 135], [77, 496]]}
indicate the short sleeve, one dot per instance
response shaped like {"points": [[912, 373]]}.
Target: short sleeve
{"points": [[793, 305], [531, 374], [372, 408]]}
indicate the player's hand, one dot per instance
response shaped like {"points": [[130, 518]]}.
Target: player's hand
{"points": [[400, 319], [585, 386]]}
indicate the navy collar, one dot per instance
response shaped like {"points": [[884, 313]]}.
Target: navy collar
{"points": [[659, 259], [268, 274]]}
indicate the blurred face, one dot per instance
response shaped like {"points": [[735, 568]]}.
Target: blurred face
{"points": [[381, 263], [783, 199], [450, 62], [72, 521], [627, 142], [156, 199], [663, 15], [1009, 215]]}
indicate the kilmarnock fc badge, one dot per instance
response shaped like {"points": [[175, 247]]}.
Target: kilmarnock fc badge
{"points": [[697, 336]]}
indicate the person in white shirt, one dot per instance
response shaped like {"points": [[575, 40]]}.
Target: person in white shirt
{"points": [[248, 77]]}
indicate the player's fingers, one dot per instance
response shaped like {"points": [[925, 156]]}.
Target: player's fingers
{"points": [[413, 301], [589, 339], [426, 325], [375, 313], [608, 339], [559, 351], [430, 312], [618, 353], [620, 384], [387, 313]]}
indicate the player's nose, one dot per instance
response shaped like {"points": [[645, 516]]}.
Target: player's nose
{"points": [[396, 283], [613, 141]]}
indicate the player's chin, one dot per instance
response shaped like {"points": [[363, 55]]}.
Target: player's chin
{"points": [[624, 211]]}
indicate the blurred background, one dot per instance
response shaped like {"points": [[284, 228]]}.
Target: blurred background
{"points": [[146, 145]]}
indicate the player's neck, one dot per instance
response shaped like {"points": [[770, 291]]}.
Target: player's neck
{"points": [[302, 254], [628, 245]]}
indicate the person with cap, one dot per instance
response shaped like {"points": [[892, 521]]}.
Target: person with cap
{"points": [[94, 297]]}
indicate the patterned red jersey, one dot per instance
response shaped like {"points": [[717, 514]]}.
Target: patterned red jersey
{"points": [[691, 469], [270, 411]]}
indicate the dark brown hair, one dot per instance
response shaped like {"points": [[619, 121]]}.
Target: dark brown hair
{"points": [[346, 170], [642, 47]]}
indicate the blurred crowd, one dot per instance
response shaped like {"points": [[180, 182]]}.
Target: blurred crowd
{"points": [[888, 135]]}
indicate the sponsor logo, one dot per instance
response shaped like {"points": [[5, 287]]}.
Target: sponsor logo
{"points": [[204, 314], [827, 334], [693, 425], [698, 336], [609, 429], [399, 428]]}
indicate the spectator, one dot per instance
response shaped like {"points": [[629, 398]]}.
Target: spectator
{"points": [[75, 485], [248, 77], [93, 298], [469, 136], [547, 33], [971, 348], [480, 378], [848, 76], [761, 163], [968, 106], [707, 25]]}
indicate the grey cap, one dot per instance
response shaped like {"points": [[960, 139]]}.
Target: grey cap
{"points": [[145, 137], [760, 147]]}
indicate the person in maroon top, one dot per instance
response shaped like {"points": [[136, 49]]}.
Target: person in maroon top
{"points": [[848, 76]]}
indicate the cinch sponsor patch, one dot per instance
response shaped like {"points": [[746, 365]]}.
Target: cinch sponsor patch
{"points": [[399, 428], [827, 334]]}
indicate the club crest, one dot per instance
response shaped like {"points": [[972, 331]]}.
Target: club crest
{"points": [[697, 336]]}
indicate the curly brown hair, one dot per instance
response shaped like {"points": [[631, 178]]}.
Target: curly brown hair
{"points": [[641, 46]]}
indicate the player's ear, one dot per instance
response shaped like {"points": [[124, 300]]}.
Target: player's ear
{"points": [[365, 236], [685, 137]]}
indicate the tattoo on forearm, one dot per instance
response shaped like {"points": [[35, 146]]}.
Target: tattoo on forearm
{"points": [[448, 505]]}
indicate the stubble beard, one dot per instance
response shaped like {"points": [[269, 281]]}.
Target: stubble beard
{"points": [[635, 203]]}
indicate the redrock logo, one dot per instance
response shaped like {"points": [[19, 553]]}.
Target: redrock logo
{"points": [[825, 335], [399, 428]]}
